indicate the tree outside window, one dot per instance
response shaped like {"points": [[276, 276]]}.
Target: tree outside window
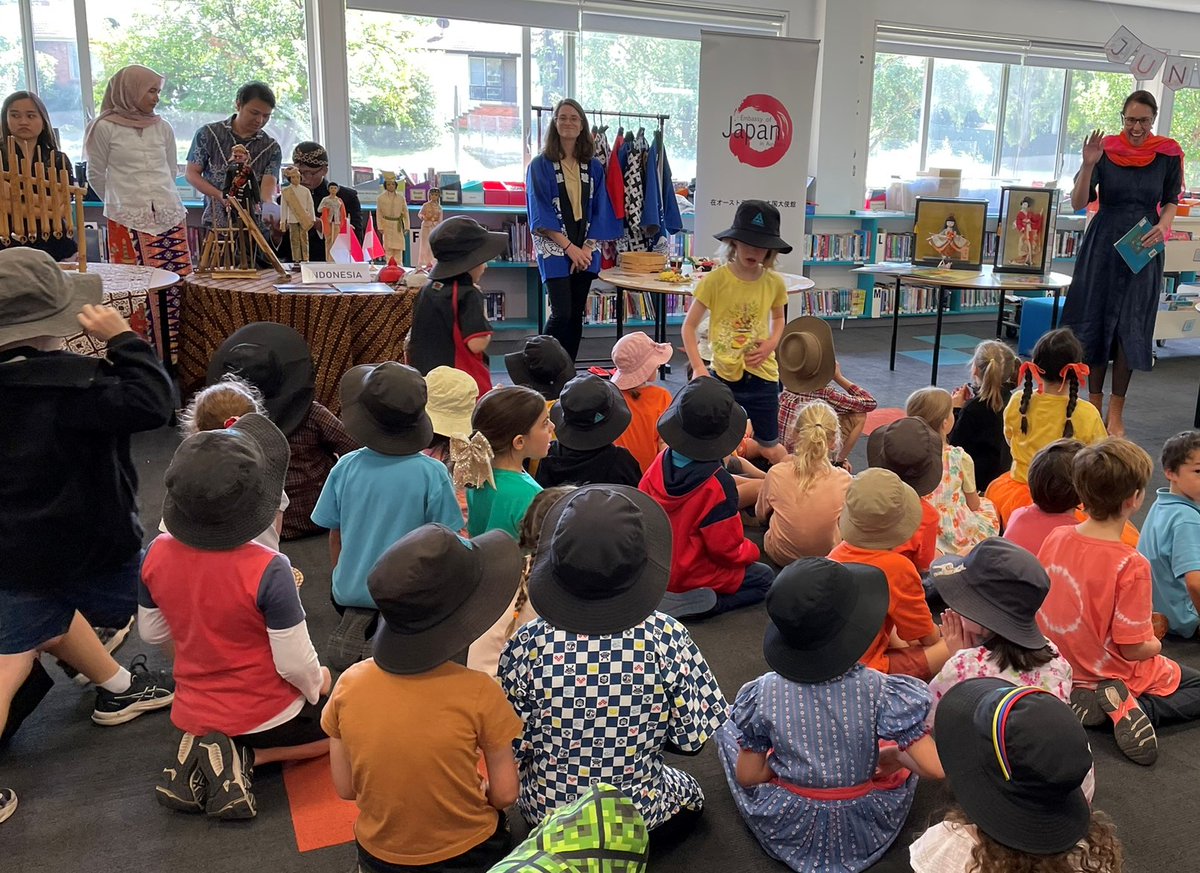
{"points": [[1185, 127], [12, 61], [964, 112], [1096, 101], [1032, 118], [897, 97]]}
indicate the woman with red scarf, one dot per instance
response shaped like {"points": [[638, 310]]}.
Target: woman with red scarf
{"points": [[1111, 308]]}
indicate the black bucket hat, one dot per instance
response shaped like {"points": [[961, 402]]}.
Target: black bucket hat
{"points": [[911, 449], [1016, 758], [426, 621], [383, 407], [591, 412], [276, 360], [998, 585], [603, 560], [823, 617], [756, 223], [543, 365], [461, 243], [703, 422], [224, 486]]}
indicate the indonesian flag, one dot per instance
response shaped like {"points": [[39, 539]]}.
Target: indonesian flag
{"points": [[371, 242], [346, 248]]}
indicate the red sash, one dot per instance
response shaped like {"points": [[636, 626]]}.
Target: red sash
{"points": [[466, 360]]}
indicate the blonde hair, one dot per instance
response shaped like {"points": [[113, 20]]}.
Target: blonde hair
{"points": [[816, 437], [932, 405], [725, 252], [233, 396], [996, 365]]}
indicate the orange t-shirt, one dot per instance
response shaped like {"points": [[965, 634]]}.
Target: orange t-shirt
{"points": [[907, 611], [922, 548], [641, 437], [414, 744], [1100, 600]]}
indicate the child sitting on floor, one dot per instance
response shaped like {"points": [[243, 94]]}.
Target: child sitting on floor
{"points": [[276, 360], [642, 686], [415, 716], [912, 450], [1033, 420], [589, 416], [880, 516], [714, 568], [379, 493], [1017, 760], [1052, 487], [966, 519], [979, 410], [248, 681], [1098, 611], [812, 751], [511, 426], [1170, 537], [541, 364], [802, 500], [484, 654], [637, 359]]}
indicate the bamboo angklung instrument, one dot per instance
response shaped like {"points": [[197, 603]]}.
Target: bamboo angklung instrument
{"points": [[38, 201]]}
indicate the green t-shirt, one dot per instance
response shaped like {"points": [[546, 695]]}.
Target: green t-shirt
{"points": [[502, 507]]}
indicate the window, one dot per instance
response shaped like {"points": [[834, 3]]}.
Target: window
{"points": [[1185, 127], [1096, 100], [493, 80], [964, 115], [1032, 119], [897, 99], [12, 60], [56, 49], [239, 42]]}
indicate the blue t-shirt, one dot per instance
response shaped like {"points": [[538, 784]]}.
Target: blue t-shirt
{"points": [[1170, 540], [374, 500]]}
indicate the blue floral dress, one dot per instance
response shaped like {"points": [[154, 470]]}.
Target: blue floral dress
{"points": [[824, 736]]}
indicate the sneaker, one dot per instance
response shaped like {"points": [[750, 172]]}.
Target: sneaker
{"points": [[149, 690], [112, 638], [1086, 705], [8, 803], [685, 604], [228, 771], [1134, 734], [182, 785]]}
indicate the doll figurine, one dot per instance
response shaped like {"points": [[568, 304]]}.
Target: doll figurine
{"points": [[431, 217], [240, 182], [949, 243], [1028, 224], [296, 214], [391, 212], [332, 211]]}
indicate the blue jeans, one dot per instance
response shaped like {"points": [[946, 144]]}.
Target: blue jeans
{"points": [[760, 399], [754, 589]]}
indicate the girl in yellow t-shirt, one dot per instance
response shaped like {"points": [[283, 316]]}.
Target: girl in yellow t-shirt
{"points": [[747, 303]]}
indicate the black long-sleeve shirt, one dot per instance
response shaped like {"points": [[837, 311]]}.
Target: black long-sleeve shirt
{"points": [[979, 430]]}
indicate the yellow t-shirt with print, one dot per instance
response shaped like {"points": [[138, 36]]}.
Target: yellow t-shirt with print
{"points": [[740, 319]]}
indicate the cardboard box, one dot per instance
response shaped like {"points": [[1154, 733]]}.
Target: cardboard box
{"points": [[936, 182]]}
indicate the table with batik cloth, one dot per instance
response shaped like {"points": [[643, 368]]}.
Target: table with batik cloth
{"points": [[146, 296], [342, 329]]}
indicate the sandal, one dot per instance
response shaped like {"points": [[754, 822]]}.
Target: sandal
{"points": [[1134, 734]]}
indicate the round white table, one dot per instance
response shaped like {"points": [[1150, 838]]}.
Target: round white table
{"points": [[123, 285]]}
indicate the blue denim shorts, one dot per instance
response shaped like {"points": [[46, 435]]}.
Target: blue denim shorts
{"points": [[29, 618], [760, 399]]}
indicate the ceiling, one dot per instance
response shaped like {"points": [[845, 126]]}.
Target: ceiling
{"points": [[1176, 5]]}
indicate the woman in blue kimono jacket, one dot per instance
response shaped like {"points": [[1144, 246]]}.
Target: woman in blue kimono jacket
{"points": [[569, 213]]}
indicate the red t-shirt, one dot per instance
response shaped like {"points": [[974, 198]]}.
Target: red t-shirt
{"points": [[1099, 600], [907, 611], [922, 548]]}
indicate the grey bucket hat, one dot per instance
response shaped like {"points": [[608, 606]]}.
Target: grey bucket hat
{"points": [[39, 298]]}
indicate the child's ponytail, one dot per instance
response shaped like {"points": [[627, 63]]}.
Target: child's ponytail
{"points": [[816, 438], [1028, 373], [1071, 373], [472, 460], [996, 365], [500, 416]]}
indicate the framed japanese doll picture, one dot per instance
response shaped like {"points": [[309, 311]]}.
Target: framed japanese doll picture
{"points": [[949, 233], [1026, 217]]}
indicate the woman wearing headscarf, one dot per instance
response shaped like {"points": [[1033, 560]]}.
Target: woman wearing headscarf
{"points": [[23, 117], [131, 157]]}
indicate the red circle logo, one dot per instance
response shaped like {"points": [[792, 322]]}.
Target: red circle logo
{"points": [[762, 137]]}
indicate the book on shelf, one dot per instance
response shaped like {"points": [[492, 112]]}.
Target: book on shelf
{"points": [[1066, 243], [832, 302], [914, 299], [978, 298], [639, 306], [849, 246], [892, 246], [493, 302]]}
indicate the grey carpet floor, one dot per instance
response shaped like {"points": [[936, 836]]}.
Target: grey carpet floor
{"points": [[86, 796]]}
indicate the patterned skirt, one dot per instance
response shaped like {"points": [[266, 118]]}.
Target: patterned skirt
{"points": [[167, 251]]}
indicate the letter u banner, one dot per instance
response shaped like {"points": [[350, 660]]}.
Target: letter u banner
{"points": [[756, 104]]}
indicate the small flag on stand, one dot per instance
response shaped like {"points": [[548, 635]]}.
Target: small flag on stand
{"points": [[372, 245]]}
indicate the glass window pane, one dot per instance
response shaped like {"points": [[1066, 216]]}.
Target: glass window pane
{"points": [[1185, 127], [1032, 117], [618, 72], [434, 93], [12, 61], [963, 114], [239, 42], [1096, 100], [897, 97], [57, 53]]}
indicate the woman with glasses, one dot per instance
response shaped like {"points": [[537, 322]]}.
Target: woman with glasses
{"points": [[569, 211], [1134, 174]]}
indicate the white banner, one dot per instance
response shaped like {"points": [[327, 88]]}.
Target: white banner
{"points": [[756, 104]]}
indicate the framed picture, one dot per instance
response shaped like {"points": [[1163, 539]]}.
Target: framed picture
{"points": [[1026, 216], [949, 233]]}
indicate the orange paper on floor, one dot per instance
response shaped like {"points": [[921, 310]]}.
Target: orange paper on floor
{"points": [[881, 417], [319, 817]]}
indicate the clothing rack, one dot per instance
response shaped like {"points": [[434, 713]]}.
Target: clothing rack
{"points": [[598, 116]]}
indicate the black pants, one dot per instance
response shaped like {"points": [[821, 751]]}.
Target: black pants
{"points": [[568, 299], [1183, 705]]}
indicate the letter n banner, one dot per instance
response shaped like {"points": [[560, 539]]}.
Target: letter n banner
{"points": [[756, 104]]}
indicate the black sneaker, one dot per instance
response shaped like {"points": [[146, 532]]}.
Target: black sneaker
{"points": [[182, 785], [228, 771], [112, 638], [8, 803], [149, 690]]}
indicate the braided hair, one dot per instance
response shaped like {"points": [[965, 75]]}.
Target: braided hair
{"points": [[1052, 353]]}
